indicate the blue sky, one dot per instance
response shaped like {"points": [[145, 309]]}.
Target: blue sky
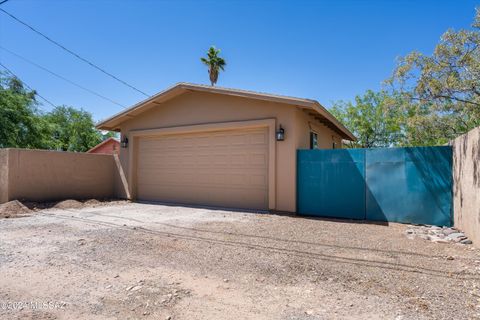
{"points": [[324, 50]]}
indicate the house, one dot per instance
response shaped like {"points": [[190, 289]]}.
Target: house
{"points": [[203, 145], [108, 146]]}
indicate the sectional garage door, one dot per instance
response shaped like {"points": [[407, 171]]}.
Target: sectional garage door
{"points": [[222, 168]]}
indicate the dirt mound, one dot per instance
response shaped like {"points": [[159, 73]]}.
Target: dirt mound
{"points": [[69, 204], [12, 209], [93, 203]]}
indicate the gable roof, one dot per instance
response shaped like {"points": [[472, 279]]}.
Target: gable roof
{"points": [[315, 108], [104, 142]]}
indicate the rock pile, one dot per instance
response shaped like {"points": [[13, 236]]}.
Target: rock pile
{"points": [[437, 234]]}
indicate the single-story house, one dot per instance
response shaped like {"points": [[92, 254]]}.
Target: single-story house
{"points": [[204, 145], [107, 146]]}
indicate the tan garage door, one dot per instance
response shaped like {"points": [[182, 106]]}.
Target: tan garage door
{"points": [[223, 168]]}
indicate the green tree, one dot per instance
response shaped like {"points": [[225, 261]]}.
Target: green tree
{"points": [[109, 134], [72, 129], [20, 123], [372, 118], [441, 91], [214, 64]]}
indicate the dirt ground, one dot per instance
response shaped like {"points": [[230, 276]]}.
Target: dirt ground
{"points": [[145, 261]]}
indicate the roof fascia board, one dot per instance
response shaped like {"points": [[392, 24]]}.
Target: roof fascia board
{"points": [[177, 89]]}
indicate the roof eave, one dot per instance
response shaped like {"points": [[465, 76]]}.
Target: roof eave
{"points": [[114, 121], [323, 111], [103, 125]]}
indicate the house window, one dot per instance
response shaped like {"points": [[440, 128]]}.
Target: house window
{"points": [[313, 140]]}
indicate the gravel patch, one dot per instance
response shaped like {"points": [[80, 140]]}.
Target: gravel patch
{"points": [[153, 262]]}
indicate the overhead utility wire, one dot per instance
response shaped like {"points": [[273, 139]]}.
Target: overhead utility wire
{"points": [[26, 85], [62, 77], [3, 2], [73, 53]]}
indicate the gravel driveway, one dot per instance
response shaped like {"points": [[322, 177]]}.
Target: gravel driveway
{"points": [[144, 261]]}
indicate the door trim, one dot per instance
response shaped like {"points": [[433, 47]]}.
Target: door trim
{"points": [[270, 124]]}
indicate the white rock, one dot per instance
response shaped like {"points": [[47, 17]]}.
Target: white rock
{"points": [[456, 235], [449, 231], [439, 240]]}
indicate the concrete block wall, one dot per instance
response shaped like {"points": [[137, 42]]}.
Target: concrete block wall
{"points": [[41, 175], [466, 184], [4, 175]]}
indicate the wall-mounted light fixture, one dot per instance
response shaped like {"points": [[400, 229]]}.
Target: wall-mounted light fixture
{"points": [[124, 142], [280, 134]]}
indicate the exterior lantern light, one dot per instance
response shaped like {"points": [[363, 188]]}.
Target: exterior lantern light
{"points": [[280, 134], [124, 142]]}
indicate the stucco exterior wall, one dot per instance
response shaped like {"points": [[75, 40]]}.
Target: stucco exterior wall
{"points": [[202, 108], [39, 175], [120, 180], [3, 175], [326, 136], [466, 184]]}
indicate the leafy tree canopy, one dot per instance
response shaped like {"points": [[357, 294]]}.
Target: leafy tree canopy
{"points": [[23, 125], [441, 91], [429, 100], [20, 124], [371, 118], [72, 129]]}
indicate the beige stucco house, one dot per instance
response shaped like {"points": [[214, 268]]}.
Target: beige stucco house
{"points": [[203, 145]]}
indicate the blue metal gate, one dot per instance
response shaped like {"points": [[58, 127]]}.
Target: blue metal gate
{"points": [[410, 185], [331, 183]]}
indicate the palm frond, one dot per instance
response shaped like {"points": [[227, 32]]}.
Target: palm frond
{"points": [[214, 63]]}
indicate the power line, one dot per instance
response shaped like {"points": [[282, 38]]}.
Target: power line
{"points": [[73, 53], [3, 2], [62, 77], [26, 85]]}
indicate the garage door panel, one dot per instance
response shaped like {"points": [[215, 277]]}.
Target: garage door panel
{"points": [[218, 179], [258, 139], [224, 168], [258, 180], [216, 196], [258, 159]]}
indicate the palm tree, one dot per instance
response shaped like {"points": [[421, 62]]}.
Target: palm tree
{"points": [[214, 64]]}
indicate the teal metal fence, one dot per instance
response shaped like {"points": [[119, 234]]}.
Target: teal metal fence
{"points": [[409, 185], [331, 183]]}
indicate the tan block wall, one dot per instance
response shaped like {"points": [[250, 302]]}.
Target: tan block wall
{"points": [[466, 184], [200, 108], [3, 175], [40, 175]]}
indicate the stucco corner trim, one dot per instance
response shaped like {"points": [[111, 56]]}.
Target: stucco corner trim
{"points": [[123, 179]]}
